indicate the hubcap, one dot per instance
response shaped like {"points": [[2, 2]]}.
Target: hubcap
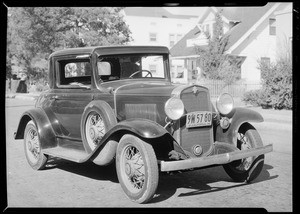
{"points": [[133, 169], [127, 169], [95, 129], [32, 145]]}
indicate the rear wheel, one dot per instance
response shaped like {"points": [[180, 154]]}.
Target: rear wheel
{"points": [[137, 168], [96, 120], [95, 129], [246, 169], [35, 157]]}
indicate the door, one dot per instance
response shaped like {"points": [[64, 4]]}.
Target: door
{"points": [[72, 93], [70, 105]]}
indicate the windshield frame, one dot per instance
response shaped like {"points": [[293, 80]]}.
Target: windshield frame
{"points": [[165, 61]]}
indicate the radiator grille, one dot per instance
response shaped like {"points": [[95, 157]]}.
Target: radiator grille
{"points": [[203, 136], [196, 102], [146, 111]]}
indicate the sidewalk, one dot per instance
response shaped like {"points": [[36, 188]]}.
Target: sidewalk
{"points": [[24, 96]]}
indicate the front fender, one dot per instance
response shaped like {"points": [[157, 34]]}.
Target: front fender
{"points": [[149, 130], [238, 117], [45, 131]]}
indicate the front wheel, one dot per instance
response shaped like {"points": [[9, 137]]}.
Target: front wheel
{"points": [[246, 169], [137, 168], [35, 157]]}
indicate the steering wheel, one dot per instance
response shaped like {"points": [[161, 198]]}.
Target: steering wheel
{"points": [[137, 72]]}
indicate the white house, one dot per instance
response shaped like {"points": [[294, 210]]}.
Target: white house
{"points": [[253, 36], [157, 26], [284, 32]]}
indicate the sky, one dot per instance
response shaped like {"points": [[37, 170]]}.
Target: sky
{"points": [[186, 10]]}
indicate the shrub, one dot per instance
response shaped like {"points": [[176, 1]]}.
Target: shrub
{"points": [[277, 84], [256, 98], [277, 89], [252, 97]]}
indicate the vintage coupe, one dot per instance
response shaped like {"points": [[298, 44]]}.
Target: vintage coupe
{"points": [[118, 103]]}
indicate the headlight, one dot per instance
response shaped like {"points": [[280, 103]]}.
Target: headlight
{"points": [[174, 108], [224, 103]]}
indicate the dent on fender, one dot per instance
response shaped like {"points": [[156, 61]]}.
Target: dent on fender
{"points": [[143, 127]]}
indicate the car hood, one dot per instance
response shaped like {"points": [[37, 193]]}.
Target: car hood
{"points": [[145, 88], [140, 99]]}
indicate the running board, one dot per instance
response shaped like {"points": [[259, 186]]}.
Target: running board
{"points": [[74, 155]]}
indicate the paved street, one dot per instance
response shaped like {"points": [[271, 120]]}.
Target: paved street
{"points": [[67, 184]]}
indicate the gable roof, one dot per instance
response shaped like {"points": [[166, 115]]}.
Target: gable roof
{"points": [[180, 49], [247, 16], [158, 12]]}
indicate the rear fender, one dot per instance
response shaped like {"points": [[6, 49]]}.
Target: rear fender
{"points": [[45, 131], [238, 117]]}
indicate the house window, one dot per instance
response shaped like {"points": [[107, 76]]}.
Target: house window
{"points": [[178, 37], [172, 71], [152, 68], [265, 60], [194, 74], [206, 28], [172, 40], [272, 27], [180, 73], [153, 37], [172, 75]]}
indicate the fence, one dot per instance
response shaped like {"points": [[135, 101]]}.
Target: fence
{"points": [[216, 87]]}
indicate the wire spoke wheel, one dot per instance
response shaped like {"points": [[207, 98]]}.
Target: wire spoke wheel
{"points": [[32, 145], [247, 168], [35, 157], [137, 168], [133, 168], [94, 129]]}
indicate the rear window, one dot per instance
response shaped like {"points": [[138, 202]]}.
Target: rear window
{"points": [[74, 73]]}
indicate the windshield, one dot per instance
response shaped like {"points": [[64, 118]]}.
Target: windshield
{"points": [[112, 68]]}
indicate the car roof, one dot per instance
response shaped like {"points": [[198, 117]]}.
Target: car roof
{"points": [[112, 50]]}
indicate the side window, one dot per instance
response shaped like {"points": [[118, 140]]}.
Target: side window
{"points": [[74, 73], [104, 68], [108, 68]]}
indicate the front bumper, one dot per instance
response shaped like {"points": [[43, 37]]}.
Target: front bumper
{"points": [[214, 159]]}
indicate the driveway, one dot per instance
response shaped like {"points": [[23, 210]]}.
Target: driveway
{"points": [[68, 184]]}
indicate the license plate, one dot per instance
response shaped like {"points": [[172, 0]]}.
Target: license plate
{"points": [[198, 119]]}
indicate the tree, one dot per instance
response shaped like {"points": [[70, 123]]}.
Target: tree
{"points": [[214, 62], [35, 32]]}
